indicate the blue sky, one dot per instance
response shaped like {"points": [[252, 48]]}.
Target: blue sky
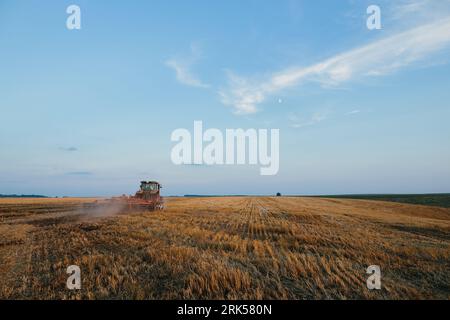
{"points": [[90, 112]]}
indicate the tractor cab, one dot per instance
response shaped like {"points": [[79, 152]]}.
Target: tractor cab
{"points": [[150, 186]]}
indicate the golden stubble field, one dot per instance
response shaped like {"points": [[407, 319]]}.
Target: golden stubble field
{"points": [[225, 248]]}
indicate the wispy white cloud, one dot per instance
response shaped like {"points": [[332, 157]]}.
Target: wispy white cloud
{"points": [[411, 10], [379, 58], [183, 66], [316, 117], [354, 112], [403, 8]]}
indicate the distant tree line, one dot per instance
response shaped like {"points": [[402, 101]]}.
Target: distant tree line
{"points": [[21, 196]]}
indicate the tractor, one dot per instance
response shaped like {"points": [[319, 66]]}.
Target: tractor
{"points": [[146, 199]]}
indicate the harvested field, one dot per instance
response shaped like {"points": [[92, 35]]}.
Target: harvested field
{"points": [[225, 248]]}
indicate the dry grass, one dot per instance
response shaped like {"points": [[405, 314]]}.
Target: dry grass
{"points": [[226, 248]]}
